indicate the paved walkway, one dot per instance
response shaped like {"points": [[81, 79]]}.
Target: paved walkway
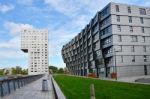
{"points": [[32, 91], [132, 79]]}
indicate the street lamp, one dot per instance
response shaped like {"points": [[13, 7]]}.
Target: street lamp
{"points": [[115, 62]]}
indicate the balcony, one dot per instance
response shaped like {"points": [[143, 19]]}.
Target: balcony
{"points": [[108, 55], [107, 45]]}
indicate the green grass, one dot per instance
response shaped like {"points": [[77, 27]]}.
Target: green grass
{"points": [[78, 88]]}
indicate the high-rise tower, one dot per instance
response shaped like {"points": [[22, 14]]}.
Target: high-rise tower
{"points": [[35, 43]]}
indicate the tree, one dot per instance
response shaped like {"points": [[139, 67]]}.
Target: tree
{"points": [[53, 68], [19, 70], [1, 72], [61, 71], [14, 72], [24, 71]]}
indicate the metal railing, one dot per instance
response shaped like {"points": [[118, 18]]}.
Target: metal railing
{"points": [[9, 85]]}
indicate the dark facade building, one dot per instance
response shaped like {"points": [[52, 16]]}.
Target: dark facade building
{"points": [[106, 45]]}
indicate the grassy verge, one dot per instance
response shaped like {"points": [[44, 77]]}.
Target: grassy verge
{"points": [[78, 88]]}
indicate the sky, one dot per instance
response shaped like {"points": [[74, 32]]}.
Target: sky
{"points": [[63, 18]]}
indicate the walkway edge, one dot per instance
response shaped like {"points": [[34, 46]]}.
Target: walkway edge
{"points": [[57, 91]]}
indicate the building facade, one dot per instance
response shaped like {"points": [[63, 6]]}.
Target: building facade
{"points": [[35, 43], [117, 40]]}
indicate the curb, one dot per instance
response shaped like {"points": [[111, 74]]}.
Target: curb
{"points": [[57, 91]]}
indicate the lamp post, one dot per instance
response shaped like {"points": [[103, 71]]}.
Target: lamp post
{"points": [[115, 66]]}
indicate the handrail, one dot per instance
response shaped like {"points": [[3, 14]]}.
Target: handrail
{"points": [[11, 84]]}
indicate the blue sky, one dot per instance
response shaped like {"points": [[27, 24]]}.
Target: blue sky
{"points": [[63, 18]]}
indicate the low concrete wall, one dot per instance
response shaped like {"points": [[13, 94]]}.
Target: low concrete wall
{"points": [[57, 91]]}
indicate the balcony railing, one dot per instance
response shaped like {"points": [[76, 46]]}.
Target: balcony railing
{"points": [[9, 85]]}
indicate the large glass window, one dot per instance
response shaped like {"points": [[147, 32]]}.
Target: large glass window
{"points": [[142, 28], [133, 58], [145, 58], [142, 11], [90, 56], [143, 38], [132, 49], [119, 38], [96, 37], [130, 19], [107, 40], [141, 20], [95, 29], [144, 48], [106, 30], [119, 28], [121, 58], [106, 21], [117, 8], [131, 28], [118, 18], [97, 53], [134, 38], [96, 45], [129, 9], [105, 12]]}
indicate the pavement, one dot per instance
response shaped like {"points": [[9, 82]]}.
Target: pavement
{"points": [[139, 79], [33, 91]]}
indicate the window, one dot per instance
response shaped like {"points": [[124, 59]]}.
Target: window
{"points": [[96, 45], [133, 58], [105, 12], [132, 49], [106, 30], [129, 9], [118, 18], [96, 37], [119, 28], [119, 38], [142, 11], [142, 29], [106, 21], [130, 19], [144, 48], [143, 38], [141, 20], [97, 53], [107, 41], [91, 56], [120, 48], [134, 38], [95, 29], [117, 8], [122, 59], [145, 58], [131, 28]]}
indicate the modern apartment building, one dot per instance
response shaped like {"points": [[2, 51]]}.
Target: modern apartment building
{"points": [[35, 43], [116, 40]]}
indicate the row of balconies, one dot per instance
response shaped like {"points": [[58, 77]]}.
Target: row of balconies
{"points": [[89, 41], [83, 55]]}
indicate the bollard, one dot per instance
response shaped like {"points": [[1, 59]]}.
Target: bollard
{"points": [[92, 93], [44, 85]]}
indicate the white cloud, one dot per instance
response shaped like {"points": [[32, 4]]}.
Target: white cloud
{"points": [[67, 7], [11, 48], [6, 8], [13, 43], [12, 54], [15, 28]]}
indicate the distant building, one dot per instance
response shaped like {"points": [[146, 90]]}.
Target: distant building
{"points": [[35, 43], [7, 71], [117, 40]]}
